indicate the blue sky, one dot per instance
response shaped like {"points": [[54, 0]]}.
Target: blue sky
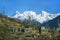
{"points": [[11, 6]]}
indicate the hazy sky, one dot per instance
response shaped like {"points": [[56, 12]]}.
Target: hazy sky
{"points": [[11, 6]]}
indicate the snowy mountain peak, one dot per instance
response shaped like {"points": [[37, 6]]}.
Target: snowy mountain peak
{"points": [[42, 17], [43, 12], [17, 12]]}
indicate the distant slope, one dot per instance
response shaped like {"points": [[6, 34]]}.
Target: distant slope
{"points": [[53, 23]]}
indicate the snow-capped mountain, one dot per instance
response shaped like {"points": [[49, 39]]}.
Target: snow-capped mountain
{"points": [[42, 17]]}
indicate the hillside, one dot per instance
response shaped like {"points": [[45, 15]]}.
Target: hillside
{"points": [[6, 27], [6, 21]]}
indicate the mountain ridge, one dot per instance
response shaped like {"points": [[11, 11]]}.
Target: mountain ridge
{"points": [[42, 17]]}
